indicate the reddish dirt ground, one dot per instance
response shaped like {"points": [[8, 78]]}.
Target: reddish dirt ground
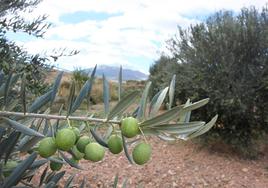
{"points": [[180, 164]]}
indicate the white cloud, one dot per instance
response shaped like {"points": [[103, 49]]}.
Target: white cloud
{"points": [[135, 33]]}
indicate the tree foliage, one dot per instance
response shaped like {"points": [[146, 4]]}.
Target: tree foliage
{"points": [[225, 58], [14, 58]]}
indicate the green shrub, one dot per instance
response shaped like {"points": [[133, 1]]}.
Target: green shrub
{"points": [[225, 59]]}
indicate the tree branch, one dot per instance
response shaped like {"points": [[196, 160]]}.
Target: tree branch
{"points": [[59, 117]]}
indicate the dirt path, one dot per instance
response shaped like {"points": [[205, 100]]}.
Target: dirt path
{"points": [[177, 165]]}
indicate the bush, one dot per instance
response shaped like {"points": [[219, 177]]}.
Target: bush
{"points": [[225, 59]]}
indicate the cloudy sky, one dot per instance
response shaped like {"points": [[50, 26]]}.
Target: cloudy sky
{"points": [[130, 33]]}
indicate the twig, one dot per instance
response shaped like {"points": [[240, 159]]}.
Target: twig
{"points": [[59, 117]]}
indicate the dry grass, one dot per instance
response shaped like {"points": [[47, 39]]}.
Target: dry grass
{"points": [[97, 89]]}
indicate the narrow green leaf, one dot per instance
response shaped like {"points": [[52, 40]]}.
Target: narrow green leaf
{"points": [[132, 142], [40, 102], [154, 99], [56, 178], [70, 162], [85, 91], [150, 132], [38, 163], [158, 102], [115, 181], [56, 87], [7, 88], [120, 84], [11, 145], [188, 116], [18, 172], [56, 160], [2, 77], [69, 181], [83, 183], [23, 93], [106, 94], [196, 105], [49, 176], [135, 112], [205, 128], [23, 147], [82, 127], [71, 98], [98, 138], [123, 104], [42, 177], [162, 118], [50, 185], [22, 128], [51, 129], [171, 91], [108, 133], [183, 114], [14, 79], [143, 103], [180, 130], [179, 125], [125, 149], [166, 138], [46, 129], [56, 125]]}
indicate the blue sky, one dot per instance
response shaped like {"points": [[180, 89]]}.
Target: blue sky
{"points": [[118, 32]]}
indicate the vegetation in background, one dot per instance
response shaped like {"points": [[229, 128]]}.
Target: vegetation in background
{"points": [[224, 58], [79, 76], [13, 58]]}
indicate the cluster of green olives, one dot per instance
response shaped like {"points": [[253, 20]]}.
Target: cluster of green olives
{"points": [[69, 139]]}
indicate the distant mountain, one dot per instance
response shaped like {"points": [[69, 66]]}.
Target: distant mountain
{"points": [[112, 72]]}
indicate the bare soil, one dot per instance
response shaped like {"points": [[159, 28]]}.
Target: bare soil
{"points": [[180, 164], [177, 164]]}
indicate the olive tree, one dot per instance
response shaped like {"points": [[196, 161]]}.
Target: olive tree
{"points": [[225, 58], [15, 59]]}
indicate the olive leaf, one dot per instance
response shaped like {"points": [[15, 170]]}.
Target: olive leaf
{"points": [[86, 89], [18, 172], [123, 104], [120, 83], [106, 95], [126, 149], [171, 91], [56, 87], [98, 138], [160, 99], [40, 102], [22, 128], [142, 108]]}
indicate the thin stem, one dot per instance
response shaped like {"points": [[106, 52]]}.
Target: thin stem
{"points": [[68, 121], [59, 117], [143, 136]]}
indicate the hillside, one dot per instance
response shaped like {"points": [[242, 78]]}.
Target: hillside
{"points": [[111, 73]]}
